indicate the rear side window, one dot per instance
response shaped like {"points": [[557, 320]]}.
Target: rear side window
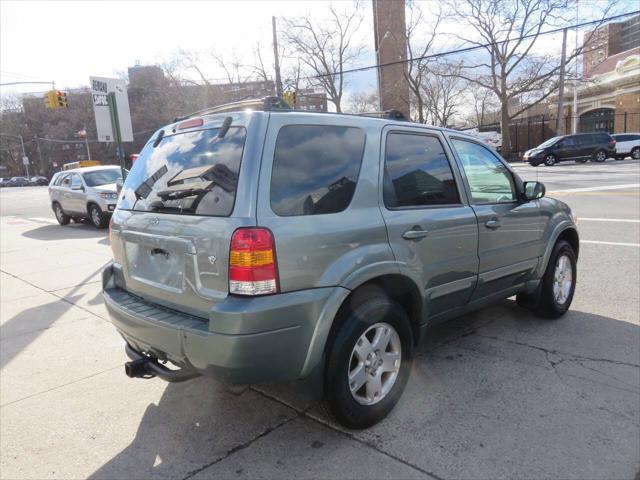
{"points": [[315, 169], [193, 173], [417, 172]]}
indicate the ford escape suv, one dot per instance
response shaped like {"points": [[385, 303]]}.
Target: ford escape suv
{"points": [[272, 245]]}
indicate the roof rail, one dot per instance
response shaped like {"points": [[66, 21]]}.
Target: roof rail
{"points": [[391, 114], [265, 104]]}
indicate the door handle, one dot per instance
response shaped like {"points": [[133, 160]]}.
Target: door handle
{"points": [[416, 233], [493, 224]]}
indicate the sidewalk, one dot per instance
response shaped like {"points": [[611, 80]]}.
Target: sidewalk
{"points": [[497, 393]]}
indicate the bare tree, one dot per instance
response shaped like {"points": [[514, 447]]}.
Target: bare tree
{"points": [[483, 101], [362, 102], [443, 93], [419, 44], [326, 48], [508, 32]]}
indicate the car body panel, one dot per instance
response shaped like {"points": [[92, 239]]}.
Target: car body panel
{"points": [[176, 305]]}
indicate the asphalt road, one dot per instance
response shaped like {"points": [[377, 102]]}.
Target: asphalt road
{"points": [[494, 394]]}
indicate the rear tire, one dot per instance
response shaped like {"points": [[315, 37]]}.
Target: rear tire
{"points": [[600, 156], [558, 284], [63, 218], [97, 218], [372, 316]]}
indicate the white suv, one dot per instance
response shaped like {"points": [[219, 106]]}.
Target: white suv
{"points": [[627, 145], [85, 193]]}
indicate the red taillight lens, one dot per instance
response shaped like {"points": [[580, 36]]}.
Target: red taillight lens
{"points": [[252, 262]]}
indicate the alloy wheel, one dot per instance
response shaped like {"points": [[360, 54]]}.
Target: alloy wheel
{"points": [[562, 279], [374, 364]]}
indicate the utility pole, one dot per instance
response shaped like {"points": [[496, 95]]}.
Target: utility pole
{"points": [[574, 110], [115, 124], [276, 60], [559, 119]]}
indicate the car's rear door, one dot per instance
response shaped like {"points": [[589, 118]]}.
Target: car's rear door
{"points": [[77, 196], [432, 230], [509, 231]]}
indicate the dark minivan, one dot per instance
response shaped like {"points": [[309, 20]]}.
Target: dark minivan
{"points": [[582, 147]]}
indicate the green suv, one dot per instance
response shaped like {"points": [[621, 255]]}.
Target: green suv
{"points": [[273, 245]]}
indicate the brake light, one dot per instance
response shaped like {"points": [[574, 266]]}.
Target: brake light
{"points": [[196, 122], [110, 227], [252, 262]]}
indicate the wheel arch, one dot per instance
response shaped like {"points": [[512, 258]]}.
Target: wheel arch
{"points": [[399, 287]]}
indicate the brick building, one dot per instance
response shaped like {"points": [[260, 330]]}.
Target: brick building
{"points": [[390, 43]]}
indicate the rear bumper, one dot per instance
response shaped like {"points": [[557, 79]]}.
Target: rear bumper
{"points": [[245, 340]]}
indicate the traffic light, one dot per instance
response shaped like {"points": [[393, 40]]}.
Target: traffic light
{"points": [[61, 99], [50, 100], [290, 97]]}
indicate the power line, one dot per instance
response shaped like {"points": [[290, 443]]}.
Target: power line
{"points": [[474, 47]]}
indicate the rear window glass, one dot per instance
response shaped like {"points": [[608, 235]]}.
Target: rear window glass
{"points": [[194, 173], [315, 169], [102, 177]]}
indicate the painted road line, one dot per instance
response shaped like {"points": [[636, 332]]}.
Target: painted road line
{"points": [[623, 220], [619, 244], [597, 189]]}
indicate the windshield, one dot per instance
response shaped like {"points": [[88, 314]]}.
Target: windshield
{"points": [[192, 173], [102, 177], [549, 142]]}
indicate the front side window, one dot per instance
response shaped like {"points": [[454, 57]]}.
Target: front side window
{"points": [[417, 172], [489, 180], [193, 173], [315, 169]]}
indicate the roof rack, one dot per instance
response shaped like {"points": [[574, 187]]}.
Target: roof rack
{"points": [[392, 114], [264, 104]]}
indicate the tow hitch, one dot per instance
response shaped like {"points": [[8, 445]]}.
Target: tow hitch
{"points": [[142, 366]]}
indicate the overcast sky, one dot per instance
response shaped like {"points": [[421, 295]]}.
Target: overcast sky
{"points": [[67, 41]]}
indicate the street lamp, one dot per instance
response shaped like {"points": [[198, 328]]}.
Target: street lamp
{"points": [[24, 154]]}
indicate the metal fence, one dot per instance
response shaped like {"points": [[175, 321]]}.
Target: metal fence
{"points": [[531, 132]]}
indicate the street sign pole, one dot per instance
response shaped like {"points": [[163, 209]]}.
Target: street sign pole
{"points": [[115, 123]]}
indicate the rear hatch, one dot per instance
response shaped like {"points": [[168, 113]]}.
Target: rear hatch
{"points": [[174, 220]]}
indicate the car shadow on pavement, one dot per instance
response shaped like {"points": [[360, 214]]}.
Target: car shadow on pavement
{"points": [[572, 370], [71, 231], [25, 327]]}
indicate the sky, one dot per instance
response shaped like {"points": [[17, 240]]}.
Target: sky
{"points": [[68, 41]]}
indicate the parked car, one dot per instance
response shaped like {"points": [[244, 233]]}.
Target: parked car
{"points": [[627, 145], [18, 182], [4, 182], [581, 147], [85, 193], [275, 245], [38, 180]]}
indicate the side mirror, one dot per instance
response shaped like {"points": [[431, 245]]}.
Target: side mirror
{"points": [[119, 186], [534, 190]]}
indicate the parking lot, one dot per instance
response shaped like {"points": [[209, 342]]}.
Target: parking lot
{"points": [[494, 394]]}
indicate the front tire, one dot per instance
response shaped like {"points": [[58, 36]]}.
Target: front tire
{"points": [[97, 217], [550, 160], [368, 361], [635, 153], [600, 156], [61, 217], [558, 283]]}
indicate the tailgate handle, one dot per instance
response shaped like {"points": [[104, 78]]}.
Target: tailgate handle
{"points": [[160, 251]]}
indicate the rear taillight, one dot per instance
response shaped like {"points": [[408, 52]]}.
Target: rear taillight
{"points": [[252, 262], [110, 230]]}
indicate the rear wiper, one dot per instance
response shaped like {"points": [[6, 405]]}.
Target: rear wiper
{"points": [[175, 194]]}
